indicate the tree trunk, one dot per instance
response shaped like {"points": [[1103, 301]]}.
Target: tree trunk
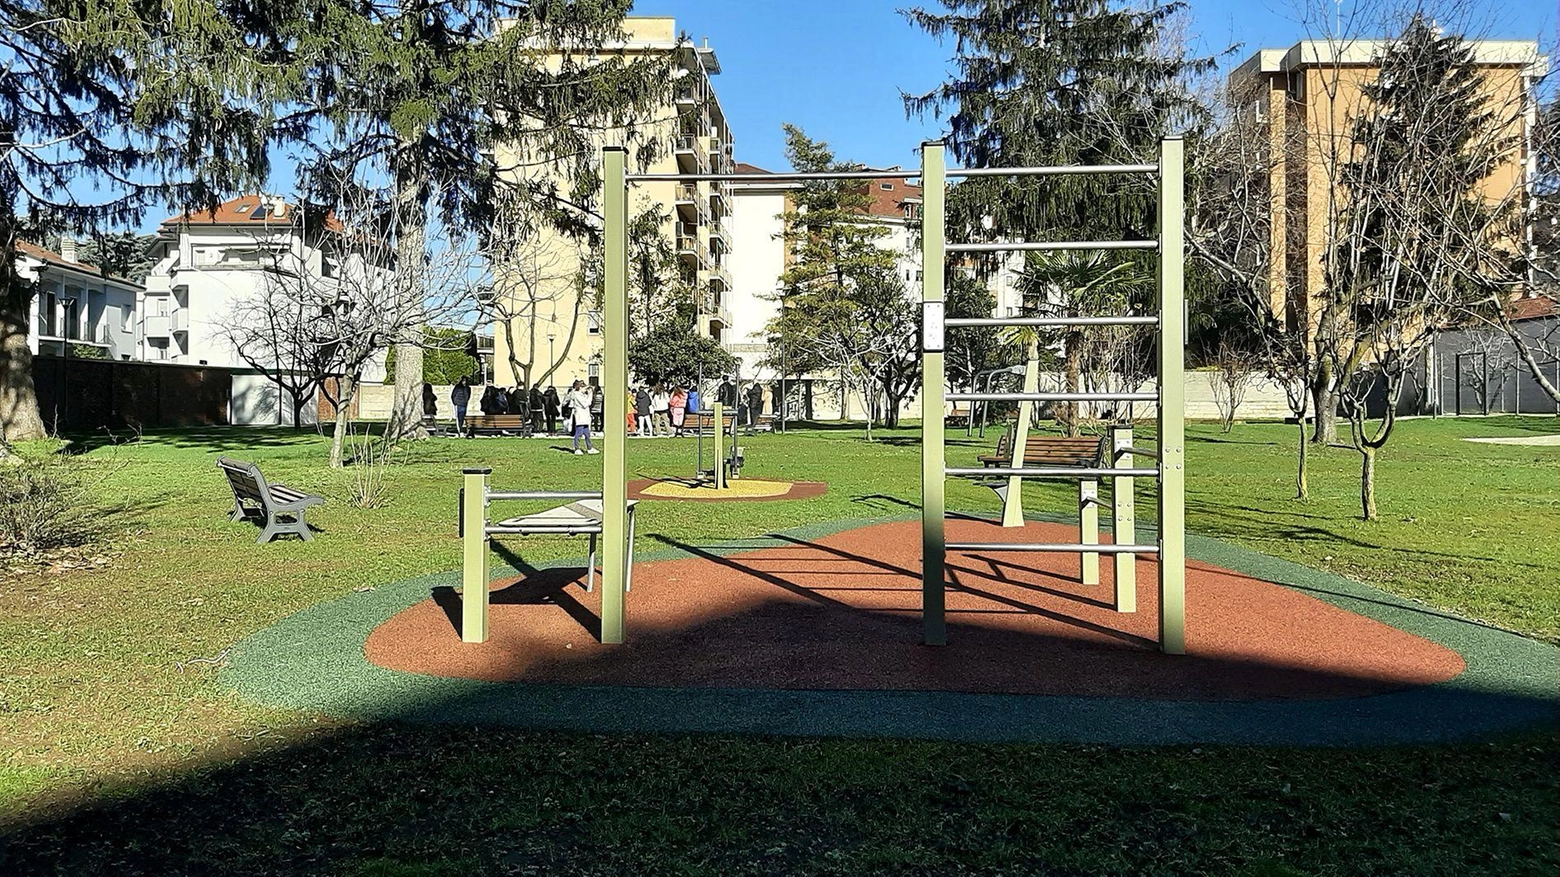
{"points": [[1302, 489], [1324, 400], [411, 218], [1368, 482], [346, 389], [1070, 410], [19, 417]]}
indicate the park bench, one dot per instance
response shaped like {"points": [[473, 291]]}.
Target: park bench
{"points": [[1048, 450], [958, 417], [278, 507], [497, 424]]}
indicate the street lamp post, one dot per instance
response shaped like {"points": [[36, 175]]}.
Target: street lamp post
{"points": [[66, 305]]}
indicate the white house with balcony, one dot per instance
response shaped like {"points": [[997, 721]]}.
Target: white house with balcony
{"points": [[206, 264], [78, 307]]}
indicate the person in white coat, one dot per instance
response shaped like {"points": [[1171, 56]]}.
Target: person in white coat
{"points": [[579, 416]]}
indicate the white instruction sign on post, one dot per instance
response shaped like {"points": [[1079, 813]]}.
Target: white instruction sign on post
{"points": [[932, 327]]}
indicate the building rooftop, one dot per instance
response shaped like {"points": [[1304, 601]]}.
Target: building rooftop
{"points": [[1363, 52], [1534, 307], [33, 251]]}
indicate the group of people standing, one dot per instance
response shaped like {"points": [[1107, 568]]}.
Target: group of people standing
{"points": [[660, 409], [654, 409]]}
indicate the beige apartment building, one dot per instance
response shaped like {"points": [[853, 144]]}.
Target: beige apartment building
{"points": [[554, 323], [1306, 97]]}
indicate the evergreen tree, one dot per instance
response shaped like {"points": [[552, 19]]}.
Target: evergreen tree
{"points": [[1057, 82], [844, 309], [450, 99], [105, 109]]}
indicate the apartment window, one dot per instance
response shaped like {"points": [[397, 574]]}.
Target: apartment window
{"points": [[47, 305], [593, 322], [887, 187], [159, 305], [910, 211], [126, 318], [157, 349]]}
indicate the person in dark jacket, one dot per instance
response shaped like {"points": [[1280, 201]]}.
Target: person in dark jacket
{"points": [[460, 397], [755, 403], [500, 401], [517, 400], [642, 410], [538, 409], [553, 405], [430, 402]]}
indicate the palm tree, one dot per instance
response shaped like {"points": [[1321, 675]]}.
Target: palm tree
{"points": [[1073, 284]]}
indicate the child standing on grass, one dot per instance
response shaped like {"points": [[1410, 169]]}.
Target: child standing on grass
{"points": [[579, 416]]}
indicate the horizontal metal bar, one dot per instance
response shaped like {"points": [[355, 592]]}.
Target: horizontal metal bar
{"points": [[543, 494], [542, 531], [1139, 452], [1054, 170], [1047, 472], [821, 176], [1052, 546], [1024, 246], [1052, 397], [1045, 322]]}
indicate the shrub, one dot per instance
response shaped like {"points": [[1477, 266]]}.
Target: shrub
{"points": [[45, 504]]}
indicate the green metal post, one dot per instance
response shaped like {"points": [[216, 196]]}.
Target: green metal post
{"points": [[1172, 401], [934, 624], [720, 446], [614, 383], [1089, 529], [474, 556], [1123, 507]]}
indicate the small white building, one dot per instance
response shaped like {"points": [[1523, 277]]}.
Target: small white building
{"points": [[206, 264], [78, 305]]}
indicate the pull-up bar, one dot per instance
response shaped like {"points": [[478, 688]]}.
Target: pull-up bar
{"points": [[1046, 323], [826, 176], [1021, 246]]}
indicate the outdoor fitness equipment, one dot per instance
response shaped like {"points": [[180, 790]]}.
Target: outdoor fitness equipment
{"points": [[580, 517], [616, 514], [727, 457], [1169, 396]]}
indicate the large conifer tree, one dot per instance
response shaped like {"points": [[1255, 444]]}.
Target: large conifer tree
{"points": [[105, 109], [426, 93], [1053, 82]]}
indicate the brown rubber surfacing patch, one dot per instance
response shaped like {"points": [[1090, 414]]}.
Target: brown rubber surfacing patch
{"points": [[842, 612], [798, 490]]}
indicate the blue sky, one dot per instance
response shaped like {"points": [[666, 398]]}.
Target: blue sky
{"points": [[837, 67]]}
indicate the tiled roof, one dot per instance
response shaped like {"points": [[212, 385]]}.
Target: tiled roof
{"points": [[32, 250], [247, 210], [1534, 307]]}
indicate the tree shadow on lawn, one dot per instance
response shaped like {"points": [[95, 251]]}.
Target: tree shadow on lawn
{"points": [[415, 792], [1221, 520]]}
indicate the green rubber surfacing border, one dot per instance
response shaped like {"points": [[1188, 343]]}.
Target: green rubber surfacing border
{"points": [[314, 661]]}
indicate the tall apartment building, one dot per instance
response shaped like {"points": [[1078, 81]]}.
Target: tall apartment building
{"points": [[552, 324], [1306, 97]]}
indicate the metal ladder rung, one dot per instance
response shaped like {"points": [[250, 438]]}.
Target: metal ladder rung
{"points": [[1032, 246], [1052, 397], [1052, 546], [1052, 170], [1044, 322], [1050, 472]]}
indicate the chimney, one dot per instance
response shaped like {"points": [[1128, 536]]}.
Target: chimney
{"points": [[68, 248], [278, 206]]}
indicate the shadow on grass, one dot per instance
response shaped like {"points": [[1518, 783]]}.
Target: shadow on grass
{"points": [[439, 785]]}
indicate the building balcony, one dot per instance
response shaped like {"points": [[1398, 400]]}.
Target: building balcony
{"points": [[691, 154], [717, 273], [690, 202], [689, 248], [165, 325]]}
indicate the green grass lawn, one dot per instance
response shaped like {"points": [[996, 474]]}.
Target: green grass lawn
{"points": [[106, 688]]}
